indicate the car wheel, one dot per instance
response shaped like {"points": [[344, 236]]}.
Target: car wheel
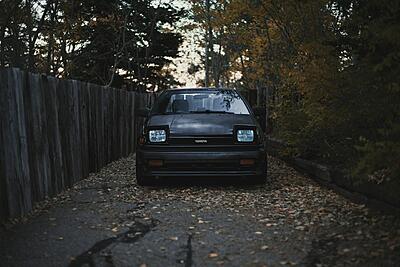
{"points": [[143, 181], [261, 179]]}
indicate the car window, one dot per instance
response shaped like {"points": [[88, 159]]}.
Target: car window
{"points": [[195, 101]]}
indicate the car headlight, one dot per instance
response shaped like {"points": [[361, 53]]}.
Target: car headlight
{"points": [[245, 136], [157, 136]]}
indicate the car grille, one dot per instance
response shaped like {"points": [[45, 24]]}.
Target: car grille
{"points": [[200, 140]]}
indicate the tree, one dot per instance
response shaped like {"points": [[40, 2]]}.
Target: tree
{"points": [[372, 77], [122, 43], [13, 45], [332, 73]]}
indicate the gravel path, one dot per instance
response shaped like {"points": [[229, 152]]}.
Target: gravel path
{"points": [[107, 220]]}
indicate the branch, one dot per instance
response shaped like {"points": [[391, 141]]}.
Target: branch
{"points": [[32, 42]]}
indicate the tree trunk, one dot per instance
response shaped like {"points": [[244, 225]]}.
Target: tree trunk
{"points": [[50, 46], [2, 35], [208, 45], [34, 36], [29, 28], [267, 126]]}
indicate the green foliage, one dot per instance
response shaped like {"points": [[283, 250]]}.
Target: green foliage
{"points": [[373, 102], [381, 157]]}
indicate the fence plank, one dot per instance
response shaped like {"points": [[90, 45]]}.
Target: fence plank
{"points": [[64, 120], [129, 122], [36, 127], [53, 136], [93, 167], [84, 123], [100, 127], [112, 123], [76, 132], [133, 123], [108, 97], [115, 123], [4, 119], [124, 123], [17, 177]]}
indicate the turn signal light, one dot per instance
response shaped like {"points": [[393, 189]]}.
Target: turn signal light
{"points": [[155, 163], [247, 162]]}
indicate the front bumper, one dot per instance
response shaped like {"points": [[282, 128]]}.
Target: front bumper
{"points": [[201, 163]]}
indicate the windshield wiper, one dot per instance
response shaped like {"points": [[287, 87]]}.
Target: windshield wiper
{"points": [[212, 111]]}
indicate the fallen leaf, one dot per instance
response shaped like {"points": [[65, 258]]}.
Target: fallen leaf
{"points": [[346, 250], [213, 255]]}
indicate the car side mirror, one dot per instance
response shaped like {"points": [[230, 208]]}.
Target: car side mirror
{"points": [[143, 112]]}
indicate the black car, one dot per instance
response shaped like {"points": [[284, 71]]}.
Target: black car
{"points": [[205, 132]]}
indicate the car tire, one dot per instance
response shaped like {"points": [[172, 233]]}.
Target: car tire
{"points": [[261, 179], [142, 180]]}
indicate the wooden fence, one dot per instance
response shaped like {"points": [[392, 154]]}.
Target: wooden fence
{"points": [[54, 132]]}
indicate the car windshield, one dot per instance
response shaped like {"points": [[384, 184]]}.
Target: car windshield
{"points": [[200, 101]]}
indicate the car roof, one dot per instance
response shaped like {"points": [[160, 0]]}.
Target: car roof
{"points": [[200, 88]]}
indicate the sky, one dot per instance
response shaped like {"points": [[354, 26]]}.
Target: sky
{"points": [[188, 51], [188, 54]]}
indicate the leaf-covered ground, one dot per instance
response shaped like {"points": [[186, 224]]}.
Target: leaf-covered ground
{"points": [[107, 220]]}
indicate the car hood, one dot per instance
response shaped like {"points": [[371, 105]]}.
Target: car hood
{"points": [[201, 124]]}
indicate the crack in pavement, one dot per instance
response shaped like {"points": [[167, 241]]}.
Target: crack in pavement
{"points": [[189, 252], [136, 207], [132, 235]]}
